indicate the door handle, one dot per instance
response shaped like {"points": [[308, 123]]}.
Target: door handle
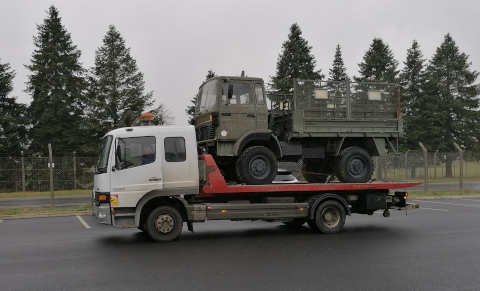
{"points": [[154, 179], [251, 115]]}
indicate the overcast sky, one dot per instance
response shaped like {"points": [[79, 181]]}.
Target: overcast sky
{"points": [[176, 42]]}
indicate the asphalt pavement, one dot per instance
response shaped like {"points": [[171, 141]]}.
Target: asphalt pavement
{"points": [[435, 247]]}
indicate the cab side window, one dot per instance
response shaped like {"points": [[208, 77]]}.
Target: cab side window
{"points": [[175, 150], [259, 94], [135, 151]]}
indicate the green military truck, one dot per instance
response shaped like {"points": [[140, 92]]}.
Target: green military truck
{"points": [[334, 127]]}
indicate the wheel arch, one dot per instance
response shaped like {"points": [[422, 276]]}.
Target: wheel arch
{"points": [[154, 199], [325, 197], [258, 137]]}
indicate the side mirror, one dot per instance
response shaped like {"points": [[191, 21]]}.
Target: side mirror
{"points": [[118, 153]]}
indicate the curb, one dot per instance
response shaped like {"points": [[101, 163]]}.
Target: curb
{"points": [[43, 215]]}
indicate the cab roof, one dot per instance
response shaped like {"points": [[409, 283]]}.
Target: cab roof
{"points": [[236, 78]]}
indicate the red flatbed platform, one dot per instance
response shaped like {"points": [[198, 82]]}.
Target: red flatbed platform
{"points": [[217, 187]]}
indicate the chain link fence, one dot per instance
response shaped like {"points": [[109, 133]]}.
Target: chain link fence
{"points": [[30, 174]]}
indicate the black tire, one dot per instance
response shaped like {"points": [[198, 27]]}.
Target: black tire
{"points": [[315, 170], [354, 165], [257, 165], [296, 222], [164, 224], [330, 217]]}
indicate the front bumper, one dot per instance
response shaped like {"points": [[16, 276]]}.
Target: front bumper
{"points": [[102, 214]]}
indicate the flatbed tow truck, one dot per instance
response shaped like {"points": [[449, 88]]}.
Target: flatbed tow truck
{"points": [[158, 192]]}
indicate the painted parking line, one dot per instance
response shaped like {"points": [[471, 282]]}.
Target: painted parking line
{"points": [[448, 203], [83, 222], [433, 209], [476, 200]]}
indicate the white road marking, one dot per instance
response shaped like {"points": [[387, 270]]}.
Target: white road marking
{"points": [[83, 222], [448, 203], [434, 209], [1, 221], [476, 200]]}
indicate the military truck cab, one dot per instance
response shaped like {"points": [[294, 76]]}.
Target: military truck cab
{"points": [[231, 119]]}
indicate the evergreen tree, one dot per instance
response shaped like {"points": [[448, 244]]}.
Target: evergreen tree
{"points": [[12, 116], [191, 109], [116, 87], [163, 116], [379, 64], [338, 72], [450, 85], [294, 62], [56, 85], [416, 107]]}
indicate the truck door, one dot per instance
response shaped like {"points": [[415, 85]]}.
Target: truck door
{"points": [[137, 168], [180, 173], [260, 106], [238, 115]]}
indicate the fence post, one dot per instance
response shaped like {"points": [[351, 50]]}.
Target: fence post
{"points": [[23, 174], [386, 165], [461, 164], [74, 172], [435, 165], [406, 165], [425, 157], [51, 165]]}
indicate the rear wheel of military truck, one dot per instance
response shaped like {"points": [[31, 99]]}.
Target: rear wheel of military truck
{"points": [[257, 165], [354, 165]]}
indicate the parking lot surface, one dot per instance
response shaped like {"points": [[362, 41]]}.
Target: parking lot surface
{"points": [[436, 247]]}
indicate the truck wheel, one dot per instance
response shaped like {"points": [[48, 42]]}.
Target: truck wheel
{"points": [[164, 224], [329, 217], [354, 165], [257, 165], [312, 166], [296, 222]]}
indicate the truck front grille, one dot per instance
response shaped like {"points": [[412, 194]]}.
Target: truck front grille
{"points": [[205, 133]]}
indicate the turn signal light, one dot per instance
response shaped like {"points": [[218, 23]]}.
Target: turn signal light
{"points": [[301, 209], [102, 197], [223, 211]]}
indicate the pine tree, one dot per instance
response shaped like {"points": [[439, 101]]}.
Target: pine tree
{"points": [[294, 62], [190, 111], [56, 85], [416, 106], [379, 64], [450, 86], [116, 87], [12, 116], [163, 116], [338, 72]]}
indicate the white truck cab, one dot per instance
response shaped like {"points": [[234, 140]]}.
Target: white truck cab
{"points": [[137, 164]]}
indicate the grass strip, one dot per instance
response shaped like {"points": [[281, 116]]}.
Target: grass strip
{"points": [[34, 210], [38, 194]]}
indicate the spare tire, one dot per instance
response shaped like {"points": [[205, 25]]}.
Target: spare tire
{"points": [[354, 165], [257, 165]]}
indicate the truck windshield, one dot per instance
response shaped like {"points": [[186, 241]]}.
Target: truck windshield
{"points": [[207, 97], [102, 162]]}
